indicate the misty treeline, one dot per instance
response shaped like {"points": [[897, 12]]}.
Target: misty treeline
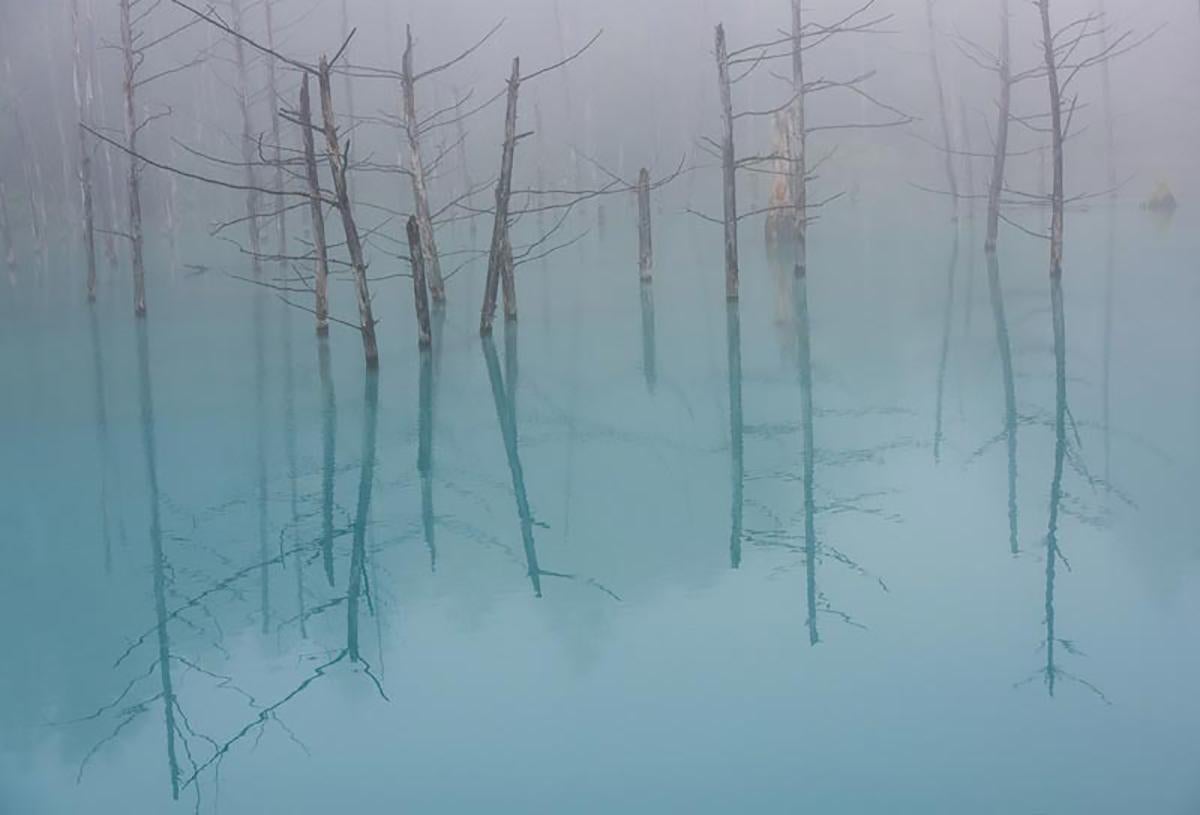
{"points": [[449, 145]]}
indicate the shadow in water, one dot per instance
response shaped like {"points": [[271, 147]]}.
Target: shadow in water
{"points": [[157, 557], [358, 584], [104, 444], [804, 360], [328, 454], [649, 350], [948, 312], [506, 416], [737, 472], [1004, 347]]}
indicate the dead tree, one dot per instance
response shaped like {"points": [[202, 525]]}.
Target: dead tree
{"points": [[496, 254], [645, 238], [1057, 132], [131, 133], [416, 171], [337, 164], [276, 135], [935, 68], [728, 167], [248, 141], [317, 214], [420, 295], [1003, 115], [797, 140], [83, 103]]}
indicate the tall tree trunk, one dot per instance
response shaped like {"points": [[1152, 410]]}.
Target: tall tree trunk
{"points": [[420, 295], [497, 253], [1004, 346], [276, 137], [800, 292], [362, 513], [728, 168], [321, 282], [947, 143], [328, 454], [248, 142], [337, 164], [1056, 134], [83, 105], [425, 453], [649, 349], [131, 133], [645, 237], [999, 161], [798, 141], [416, 170]]}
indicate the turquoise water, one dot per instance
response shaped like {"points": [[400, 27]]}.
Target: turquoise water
{"points": [[596, 567]]}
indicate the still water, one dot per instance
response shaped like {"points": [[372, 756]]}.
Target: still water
{"points": [[875, 542]]}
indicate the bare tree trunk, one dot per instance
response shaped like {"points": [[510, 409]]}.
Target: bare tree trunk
{"points": [[968, 159], [135, 197], [508, 280], [947, 143], [645, 238], [649, 350], [1004, 345], [798, 141], [83, 104], [273, 96], [328, 454], [318, 216], [420, 295], [248, 158], [1056, 133], [10, 255], [462, 155], [999, 162], [362, 512], [337, 163], [728, 168], [425, 453], [804, 360], [416, 169], [496, 255]]}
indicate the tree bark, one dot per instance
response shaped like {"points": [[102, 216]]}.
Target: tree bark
{"points": [[798, 141], [420, 295], [248, 158], [497, 252], [83, 98], [273, 95], [645, 237], [728, 168], [999, 162], [321, 282], [337, 163], [416, 169], [1056, 134], [131, 132], [947, 143]]}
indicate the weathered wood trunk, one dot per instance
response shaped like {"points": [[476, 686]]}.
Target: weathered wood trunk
{"points": [[798, 140], [416, 170], [645, 237], [728, 168], [337, 164], [276, 136], [943, 115], [420, 294], [1004, 346], [131, 133], [321, 282], [999, 162], [10, 254], [508, 280], [83, 98], [248, 142], [1056, 135], [497, 252]]}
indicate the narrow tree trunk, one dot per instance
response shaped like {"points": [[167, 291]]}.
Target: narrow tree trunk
{"points": [[496, 255], [798, 141], [131, 133], [273, 96], [968, 159], [362, 512], [649, 350], [328, 454], [737, 469], [645, 238], [947, 143], [248, 157], [1056, 134], [420, 295], [425, 454], [810, 454], [1004, 346], [999, 162], [83, 102], [464, 165], [337, 163], [728, 168], [314, 207], [416, 169], [508, 280], [10, 255]]}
